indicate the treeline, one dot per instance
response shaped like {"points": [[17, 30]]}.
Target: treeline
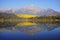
{"points": [[45, 18]]}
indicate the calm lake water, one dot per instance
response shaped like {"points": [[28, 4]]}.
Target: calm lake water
{"points": [[30, 31]]}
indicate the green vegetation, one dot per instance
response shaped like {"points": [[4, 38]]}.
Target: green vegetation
{"points": [[11, 19]]}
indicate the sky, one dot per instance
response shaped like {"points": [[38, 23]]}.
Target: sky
{"points": [[53, 4]]}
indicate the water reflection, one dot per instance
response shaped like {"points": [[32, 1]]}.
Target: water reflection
{"points": [[28, 26], [26, 23]]}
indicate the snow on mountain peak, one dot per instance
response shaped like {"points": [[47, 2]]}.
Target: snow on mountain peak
{"points": [[30, 9], [33, 8]]}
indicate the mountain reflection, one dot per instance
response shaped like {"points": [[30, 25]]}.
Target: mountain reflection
{"points": [[28, 26]]}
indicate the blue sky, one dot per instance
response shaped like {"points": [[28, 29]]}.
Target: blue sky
{"points": [[54, 4]]}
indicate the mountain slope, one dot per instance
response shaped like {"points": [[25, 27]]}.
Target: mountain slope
{"points": [[30, 9]]}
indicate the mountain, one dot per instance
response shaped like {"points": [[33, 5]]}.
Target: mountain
{"points": [[30, 9]]}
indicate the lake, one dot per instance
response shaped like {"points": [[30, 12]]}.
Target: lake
{"points": [[30, 31]]}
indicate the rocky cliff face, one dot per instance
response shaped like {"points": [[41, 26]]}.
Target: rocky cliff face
{"points": [[30, 9]]}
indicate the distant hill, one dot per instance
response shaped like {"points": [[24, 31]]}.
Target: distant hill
{"points": [[7, 16], [30, 9]]}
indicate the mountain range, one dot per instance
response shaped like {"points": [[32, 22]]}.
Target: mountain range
{"points": [[30, 9]]}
